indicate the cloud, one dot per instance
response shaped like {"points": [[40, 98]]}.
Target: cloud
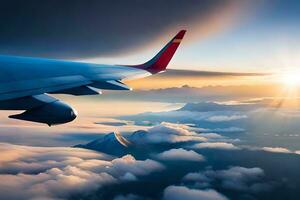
{"points": [[229, 129], [181, 192], [276, 149], [129, 177], [215, 145], [104, 27], [237, 178], [166, 133], [210, 116], [116, 123], [178, 73], [180, 154], [191, 93], [216, 107], [212, 135], [224, 118], [137, 167], [234, 178], [40, 172], [297, 152]]}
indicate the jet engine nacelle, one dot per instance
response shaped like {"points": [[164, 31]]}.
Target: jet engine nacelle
{"points": [[53, 113]]}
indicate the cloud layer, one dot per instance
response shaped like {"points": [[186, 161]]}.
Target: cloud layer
{"points": [[166, 133], [234, 178], [53, 173]]}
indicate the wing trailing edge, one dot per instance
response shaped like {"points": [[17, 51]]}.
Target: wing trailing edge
{"points": [[78, 91], [110, 85]]}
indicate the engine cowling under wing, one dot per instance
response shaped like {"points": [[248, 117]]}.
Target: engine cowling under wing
{"points": [[43, 109]]}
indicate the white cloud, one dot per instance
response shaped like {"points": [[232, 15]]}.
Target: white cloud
{"points": [[53, 173], [235, 178], [215, 145], [166, 133], [225, 118], [137, 167], [297, 152], [229, 129], [238, 178], [180, 154], [181, 192], [276, 149], [211, 135]]}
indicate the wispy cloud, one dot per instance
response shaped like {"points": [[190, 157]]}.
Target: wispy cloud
{"points": [[182, 192], [180, 154], [215, 145]]}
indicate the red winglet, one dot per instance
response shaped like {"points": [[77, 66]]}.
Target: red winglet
{"points": [[161, 60]]}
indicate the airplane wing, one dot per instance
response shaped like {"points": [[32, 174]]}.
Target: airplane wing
{"points": [[24, 82]]}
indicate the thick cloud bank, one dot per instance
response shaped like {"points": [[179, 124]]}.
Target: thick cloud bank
{"points": [[55, 173], [166, 133], [235, 178]]}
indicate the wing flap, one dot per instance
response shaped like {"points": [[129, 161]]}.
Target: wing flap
{"points": [[26, 103], [110, 85], [78, 91], [17, 89]]}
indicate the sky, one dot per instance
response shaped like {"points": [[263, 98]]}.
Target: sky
{"points": [[228, 35], [217, 125]]}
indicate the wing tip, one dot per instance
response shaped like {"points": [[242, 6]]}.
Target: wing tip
{"points": [[160, 62], [180, 34]]}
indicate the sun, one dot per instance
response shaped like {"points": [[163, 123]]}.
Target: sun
{"points": [[291, 78]]}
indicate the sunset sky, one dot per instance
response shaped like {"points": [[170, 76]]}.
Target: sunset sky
{"points": [[253, 36], [222, 122]]}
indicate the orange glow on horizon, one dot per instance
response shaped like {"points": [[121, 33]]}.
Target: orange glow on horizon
{"points": [[168, 82]]}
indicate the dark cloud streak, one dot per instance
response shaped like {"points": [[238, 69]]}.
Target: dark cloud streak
{"points": [[78, 29]]}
